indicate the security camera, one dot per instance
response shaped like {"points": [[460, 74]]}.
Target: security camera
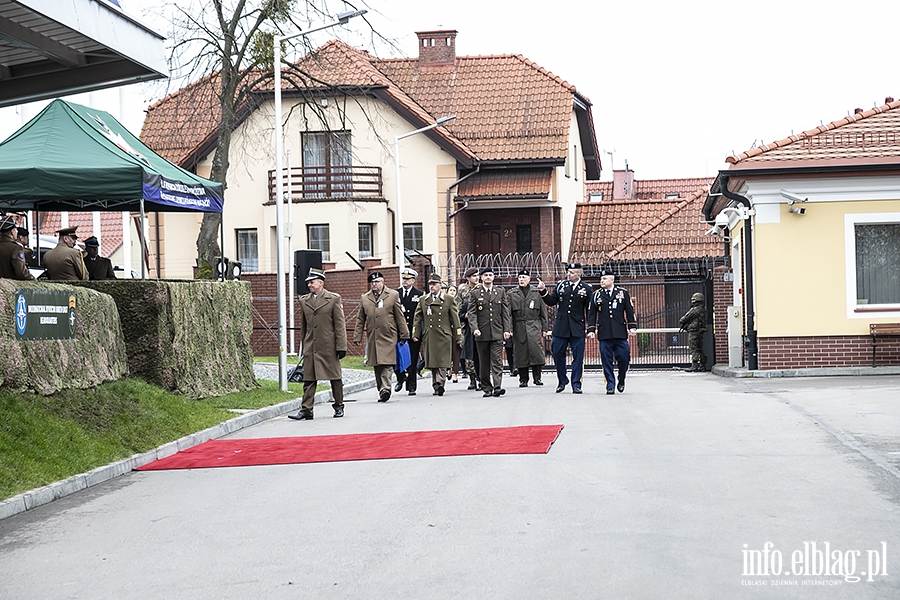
{"points": [[797, 211], [714, 230], [792, 197], [722, 220]]}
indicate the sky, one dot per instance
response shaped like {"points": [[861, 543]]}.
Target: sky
{"points": [[675, 87]]}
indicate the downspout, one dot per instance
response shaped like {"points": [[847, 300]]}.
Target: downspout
{"points": [[751, 341], [450, 215], [393, 236]]}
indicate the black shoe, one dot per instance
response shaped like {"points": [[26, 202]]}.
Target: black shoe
{"points": [[560, 387], [499, 392], [523, 384], [487, 394], [621, 387], [440, 390], [301, 416], [398, 386], [338, 413], [576, 390], [472, 383], [384, 395], [610, 392], [514, 373], [538, 382], [412, 392]]}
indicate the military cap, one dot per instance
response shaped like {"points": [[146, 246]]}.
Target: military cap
{"points": [[486, 270], [607, 272], [435, 278], [574, 266], [92, 241], [524, 272], [21, 231], [408, 273], [471, 271], [315, 274], [373, 276], [69, 231], [7, 223]]}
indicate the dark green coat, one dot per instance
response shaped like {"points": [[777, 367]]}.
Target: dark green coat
{"points": [[529, 318], [384, 324], [323, 332], [439, 320]]}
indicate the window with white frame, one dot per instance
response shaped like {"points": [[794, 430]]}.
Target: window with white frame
{"points": [[873, 262], [247, 249], [412, 237], [366, 249], [319, 238]]}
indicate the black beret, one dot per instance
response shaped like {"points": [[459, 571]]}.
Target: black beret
{"points": [[486, 270], [525, 272], [574, 266], [373, 276]]}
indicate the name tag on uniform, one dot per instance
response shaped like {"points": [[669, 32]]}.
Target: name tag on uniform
{"points": [[531, 304], [381, 304]]}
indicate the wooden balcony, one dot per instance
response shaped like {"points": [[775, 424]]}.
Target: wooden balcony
{"points": [[315, 184]]}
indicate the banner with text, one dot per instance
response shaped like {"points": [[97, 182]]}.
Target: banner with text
{"points": [[45, 314]]}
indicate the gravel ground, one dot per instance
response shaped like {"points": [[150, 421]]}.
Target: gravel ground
{"points": [[270, 371]]}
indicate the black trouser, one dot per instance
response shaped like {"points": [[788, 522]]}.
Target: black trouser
{"points": [[411, 375], [535, 370]]}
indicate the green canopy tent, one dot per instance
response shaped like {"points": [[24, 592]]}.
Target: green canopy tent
{"points": [[71, 157]]}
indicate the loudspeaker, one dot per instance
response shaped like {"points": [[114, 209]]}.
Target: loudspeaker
{"points": [[304, 260]]}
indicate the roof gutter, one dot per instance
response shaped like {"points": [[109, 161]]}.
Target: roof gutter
{"points": [[750, 341], [450, 215]]}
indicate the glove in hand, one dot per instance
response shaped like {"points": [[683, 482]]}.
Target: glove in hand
{"points": [[341, 354]]}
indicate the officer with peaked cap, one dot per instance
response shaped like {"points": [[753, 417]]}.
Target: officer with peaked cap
{"points": [[491, 324], [324, 334], [381, 317], [409, 300], [571, 298], [437, 318], [12, 254], [97, 266], [65, 262], [610, 318]]}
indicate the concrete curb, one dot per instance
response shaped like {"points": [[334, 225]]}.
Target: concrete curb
{"points": [[741, 373], [59, 489]]}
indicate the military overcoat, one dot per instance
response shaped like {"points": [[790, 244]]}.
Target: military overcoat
{"points": [[99, 268], [12, 260], [529, 319], [489, 313], [323, 331], [383, 321], [65, 264], [440, 325]]}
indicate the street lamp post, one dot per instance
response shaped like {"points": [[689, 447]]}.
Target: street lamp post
{"points": [[279, 193], [399, 255]]}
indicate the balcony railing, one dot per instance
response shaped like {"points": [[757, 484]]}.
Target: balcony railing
{"points": [[312, 184]]}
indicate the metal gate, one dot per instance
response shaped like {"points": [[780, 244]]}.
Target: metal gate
{"points": [[658, 305]]}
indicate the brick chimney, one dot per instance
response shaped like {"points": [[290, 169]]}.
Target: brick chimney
{"points": [[437, 50], [623, 185]]}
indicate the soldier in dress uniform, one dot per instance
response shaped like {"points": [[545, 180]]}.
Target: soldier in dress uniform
{"points": [[324, 334], [12, 254], [491, 324], [467, 353], [610, 318], [437, 318], [409, 300], [381, 316], [22, 238], [97, 266], [65, 262], [571, 297], [529, 320]]}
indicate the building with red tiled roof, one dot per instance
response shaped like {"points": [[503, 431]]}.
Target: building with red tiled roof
{"points": [[814, 224], [503, 176]]}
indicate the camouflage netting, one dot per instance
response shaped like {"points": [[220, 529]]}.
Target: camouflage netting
{"points": [[189, 337], [95, 355]]}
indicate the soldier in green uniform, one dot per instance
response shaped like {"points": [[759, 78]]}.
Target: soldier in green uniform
{"points": [[529, 321], [12, 254], [381, 317], [467, 352], [437, 318], [324, 334], [694, 322], [65, 262], [491, 325]]}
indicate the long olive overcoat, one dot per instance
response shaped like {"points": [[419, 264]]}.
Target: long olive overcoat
{"points": [[529, 317], [384, 324], [439, 320], [323, 332]]}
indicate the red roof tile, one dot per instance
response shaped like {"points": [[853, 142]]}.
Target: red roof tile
{"points": [[869, 134], [110, 234], [646, 189], [520, 183]]}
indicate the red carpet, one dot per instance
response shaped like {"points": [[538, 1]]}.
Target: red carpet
{"points": [[532, 439]]}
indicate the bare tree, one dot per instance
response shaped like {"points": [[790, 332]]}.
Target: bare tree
{"points": [[228, 47]]}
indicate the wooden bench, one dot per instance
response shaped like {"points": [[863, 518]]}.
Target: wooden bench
{"points": [[877, 330]]}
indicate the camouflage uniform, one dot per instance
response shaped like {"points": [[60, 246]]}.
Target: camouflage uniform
{"points": [[694, 322]]}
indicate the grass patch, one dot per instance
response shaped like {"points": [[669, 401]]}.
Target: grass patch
{"points": [[48, 438], [348, 362]]}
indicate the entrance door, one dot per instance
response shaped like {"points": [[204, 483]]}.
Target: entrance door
{"points": [[487, 240]]}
